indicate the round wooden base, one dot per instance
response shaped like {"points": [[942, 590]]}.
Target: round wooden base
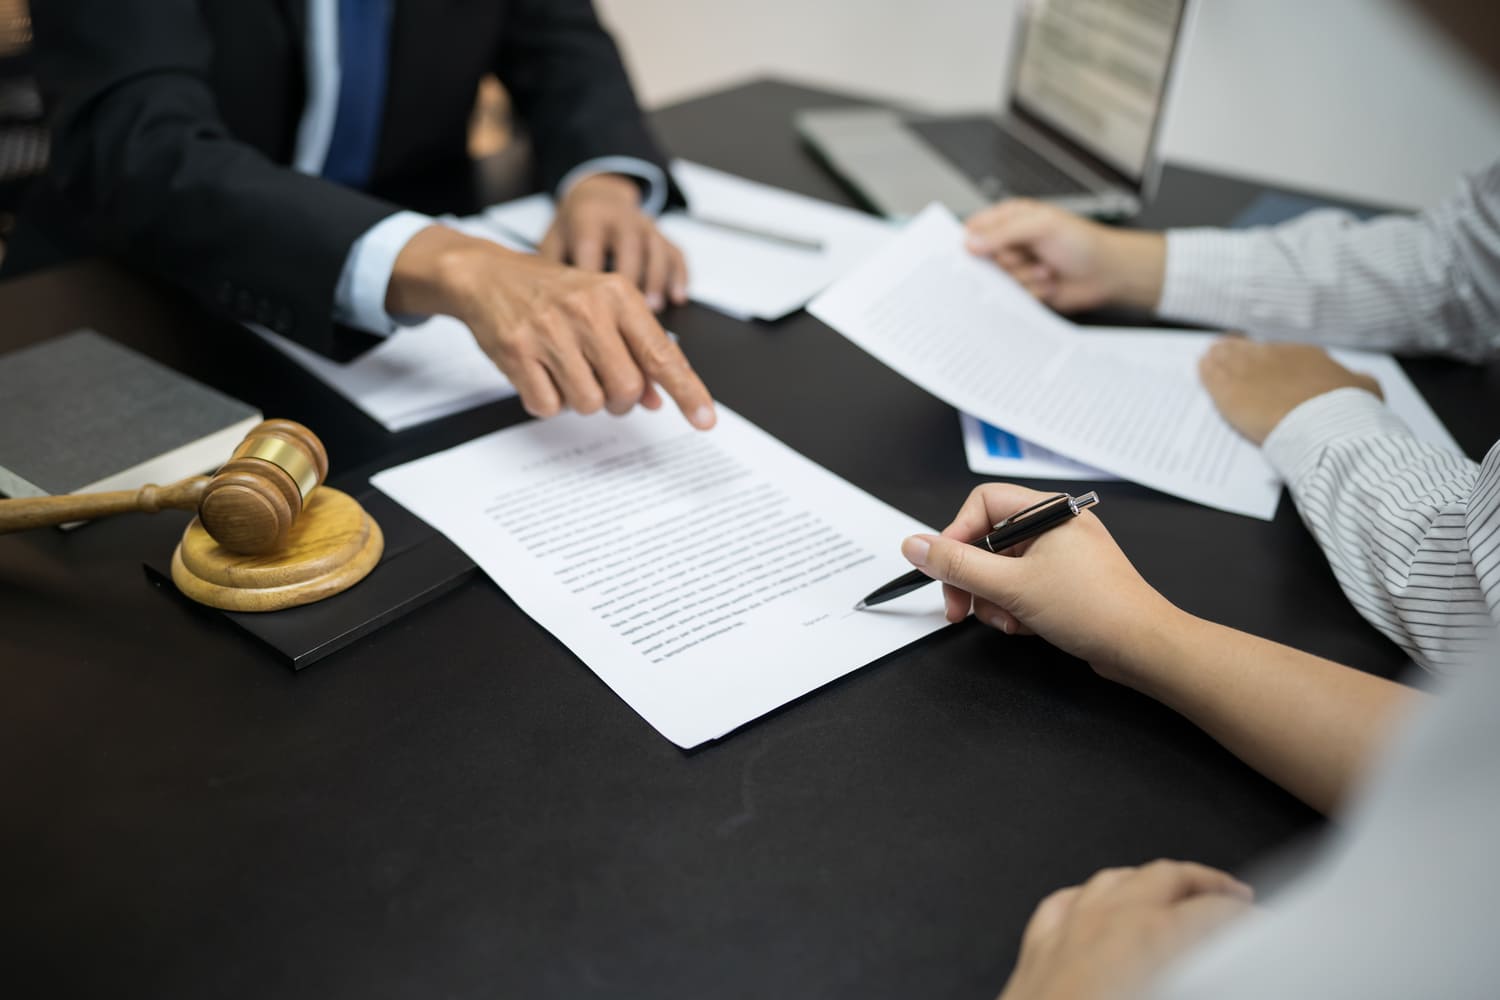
{"points": [[332, 546]]}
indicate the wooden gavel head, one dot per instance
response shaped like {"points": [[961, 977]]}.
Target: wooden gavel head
{"points": [[249, 505]]}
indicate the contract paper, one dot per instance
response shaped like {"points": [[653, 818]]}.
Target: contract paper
{"points": [[995, 452], [419, 373], [966, 332], [707, 578], [743, 275]]}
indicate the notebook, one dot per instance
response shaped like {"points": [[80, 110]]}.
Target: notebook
{"points": [[81, 413]]}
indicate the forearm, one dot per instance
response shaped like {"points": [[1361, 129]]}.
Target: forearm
{"points": [[567, 82], [147, 167], [1310, 725], [1423, 284], [1136, 261], [1397, 520]]}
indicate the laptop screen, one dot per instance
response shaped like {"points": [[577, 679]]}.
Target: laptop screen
{"points": [[1096, 71]]}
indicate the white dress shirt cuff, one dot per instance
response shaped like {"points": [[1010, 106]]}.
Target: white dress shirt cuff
{"points": [[360, 298], [653, 199], [1295, 447], [1207, 278]]}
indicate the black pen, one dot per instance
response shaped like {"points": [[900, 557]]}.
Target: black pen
{"points": [[1014, 530]]}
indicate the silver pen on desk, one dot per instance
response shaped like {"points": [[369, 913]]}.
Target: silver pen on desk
{"points": [[755, 232]]}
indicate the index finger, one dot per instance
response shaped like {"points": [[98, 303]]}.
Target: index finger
{"points": [[663, 362]]}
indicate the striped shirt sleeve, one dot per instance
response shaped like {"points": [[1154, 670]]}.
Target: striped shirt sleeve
{"points": [[1411, 530], [1426, 284]]}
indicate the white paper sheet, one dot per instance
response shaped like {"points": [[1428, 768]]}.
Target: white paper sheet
{"points": [[995, 452], [963, 330], [741, 275], [419, 373], [707, 578]]}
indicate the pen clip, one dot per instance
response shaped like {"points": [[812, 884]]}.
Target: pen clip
{"points": [[1076, 504], [1039, 505]]}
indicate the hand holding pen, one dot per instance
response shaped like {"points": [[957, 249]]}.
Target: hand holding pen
{"points": [[1016, 528], [1071, 586]]}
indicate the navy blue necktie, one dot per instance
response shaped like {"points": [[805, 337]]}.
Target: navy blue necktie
{"points": [[364, 48]]}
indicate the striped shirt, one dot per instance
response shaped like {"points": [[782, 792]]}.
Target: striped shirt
{"points": [[1411, 531]]}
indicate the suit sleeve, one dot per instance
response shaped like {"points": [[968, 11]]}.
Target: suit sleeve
{"points": [[142, 156], [569, 86]]}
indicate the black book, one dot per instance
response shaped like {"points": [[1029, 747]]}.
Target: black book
{"points": [[83, 414]]}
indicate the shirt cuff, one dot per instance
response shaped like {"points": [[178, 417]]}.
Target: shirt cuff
{"points": [[1207, 275], [359, 300], [652, 177], [1295, 446]]}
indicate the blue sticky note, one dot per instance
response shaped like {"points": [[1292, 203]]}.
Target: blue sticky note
{"points": [[1000, 444]]}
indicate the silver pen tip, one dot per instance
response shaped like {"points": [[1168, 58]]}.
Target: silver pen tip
{"points": [[860, 606]]}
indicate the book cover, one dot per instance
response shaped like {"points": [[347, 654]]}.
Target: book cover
{"points": [[81, 413]]}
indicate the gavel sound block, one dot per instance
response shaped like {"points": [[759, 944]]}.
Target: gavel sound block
{"points": [[268, 534]]}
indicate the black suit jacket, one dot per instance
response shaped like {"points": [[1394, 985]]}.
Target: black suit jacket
{"points": [[174, 122]]}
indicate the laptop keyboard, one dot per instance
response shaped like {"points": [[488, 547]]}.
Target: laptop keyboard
{"points": [[998, 163]]}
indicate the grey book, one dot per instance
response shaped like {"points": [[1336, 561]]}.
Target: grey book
{"points": [[81, 414]]}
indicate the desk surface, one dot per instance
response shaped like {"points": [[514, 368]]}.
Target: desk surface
{"points": [[457, 807]]}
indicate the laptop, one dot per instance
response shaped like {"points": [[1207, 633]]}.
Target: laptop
{"points": [[1089, 81]]}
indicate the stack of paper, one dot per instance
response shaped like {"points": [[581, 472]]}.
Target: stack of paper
{"points": [[731, 269], [1127, 402]]}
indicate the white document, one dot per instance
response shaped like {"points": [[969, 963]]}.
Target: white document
{"points": [[1127, 402], [417, 374], [1176, 350], [707, 578], [962, 329], [995, 452], [742, 275]]}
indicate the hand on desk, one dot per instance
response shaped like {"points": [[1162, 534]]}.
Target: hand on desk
{"points": [[1069, 262], [1113, 935], [1256, 385], [600, 220], [566, 338]]}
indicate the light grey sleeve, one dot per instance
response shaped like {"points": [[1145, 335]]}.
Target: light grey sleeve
{"points": [[1410, 529], [1427, 284], [1405, 899]]}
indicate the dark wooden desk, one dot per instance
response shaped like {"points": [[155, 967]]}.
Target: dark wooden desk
{"points": [[456, 807]]}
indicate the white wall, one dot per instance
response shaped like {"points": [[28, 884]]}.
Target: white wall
{"points": [[1351, 96]]}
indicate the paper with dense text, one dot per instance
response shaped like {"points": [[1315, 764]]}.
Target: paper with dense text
{"points": [[707, 578], [969, 334]]}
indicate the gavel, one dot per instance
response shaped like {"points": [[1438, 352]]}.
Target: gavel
{"points": [[248, 506]]}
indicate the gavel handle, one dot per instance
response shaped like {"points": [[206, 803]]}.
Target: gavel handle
{"points": [[42, 512]]}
